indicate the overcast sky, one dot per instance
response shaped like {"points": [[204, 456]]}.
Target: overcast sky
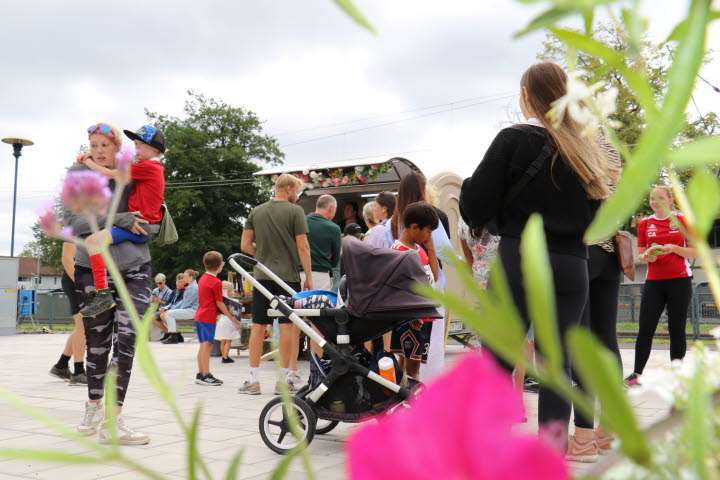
{"points": [[433, 85]]}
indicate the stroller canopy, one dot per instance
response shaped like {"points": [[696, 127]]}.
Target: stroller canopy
{"points": [[380, 282]]}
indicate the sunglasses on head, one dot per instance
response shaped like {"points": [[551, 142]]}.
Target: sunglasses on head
{"points": [[102, 129]]}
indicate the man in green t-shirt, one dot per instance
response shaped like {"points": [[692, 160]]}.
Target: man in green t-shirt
{"points": [[276, 235], [324, 239]]}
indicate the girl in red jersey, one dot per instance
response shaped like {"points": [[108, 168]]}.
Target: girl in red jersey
{"points": [[662, 246]]}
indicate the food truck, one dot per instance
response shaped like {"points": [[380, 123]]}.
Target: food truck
{"points": [[360, 181]]}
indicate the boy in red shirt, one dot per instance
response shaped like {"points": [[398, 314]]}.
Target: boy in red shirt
{"points": [[411, 341], [210, 306], [145, 200]]}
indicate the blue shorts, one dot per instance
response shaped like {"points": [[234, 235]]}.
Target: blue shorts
{"points": [[205, 332], [119, 235], [411, 344]]}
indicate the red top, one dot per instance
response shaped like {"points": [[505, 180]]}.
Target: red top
{"points": [[670, 265], [209, 292], [148, 191], [398, 245]]}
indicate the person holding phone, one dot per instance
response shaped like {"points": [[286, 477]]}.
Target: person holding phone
{"points": [[663, 247]]}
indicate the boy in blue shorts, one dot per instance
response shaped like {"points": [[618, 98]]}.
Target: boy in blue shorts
{"points": [[411, 341], [210, 306]]}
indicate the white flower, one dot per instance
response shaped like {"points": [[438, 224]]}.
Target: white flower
{"points": [[588, 105], [313, 174], [305, 172], [359, 169]]}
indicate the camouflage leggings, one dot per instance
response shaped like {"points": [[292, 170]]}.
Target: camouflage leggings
{"points": [[112, 329]]}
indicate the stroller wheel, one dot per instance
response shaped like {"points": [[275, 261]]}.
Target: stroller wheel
{"points": [[325, 426], [275, 428]]}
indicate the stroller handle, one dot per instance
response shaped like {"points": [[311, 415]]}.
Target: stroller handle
{"points": [[243, 258]]}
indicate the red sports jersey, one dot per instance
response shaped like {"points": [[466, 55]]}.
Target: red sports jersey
{"points": [[148, 192], [653, 230], [209, 292], [398, 245]]}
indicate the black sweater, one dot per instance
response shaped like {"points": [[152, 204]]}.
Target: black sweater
{"points": [[555, 192]]}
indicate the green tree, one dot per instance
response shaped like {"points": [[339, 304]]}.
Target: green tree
{"points": [[212, 153], [655, 60]]}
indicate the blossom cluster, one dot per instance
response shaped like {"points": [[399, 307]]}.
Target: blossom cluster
{"points": [[324, 178]]}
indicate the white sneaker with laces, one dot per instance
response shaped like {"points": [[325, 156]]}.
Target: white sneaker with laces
{"points": [[94, 413], [126, 435]]}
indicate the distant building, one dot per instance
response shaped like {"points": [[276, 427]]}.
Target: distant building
{"points": [[33, 275]]}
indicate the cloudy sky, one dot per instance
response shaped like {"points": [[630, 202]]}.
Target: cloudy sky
{"points": [[434, 84]]}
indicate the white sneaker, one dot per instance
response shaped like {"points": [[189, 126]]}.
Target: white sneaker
{"points": [[94, 413], [126, 435], [295, 377]]}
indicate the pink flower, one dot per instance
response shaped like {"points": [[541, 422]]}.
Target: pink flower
{"points": [[86, 193], [374, 167], [363, 179], [345, 179], [50, 223], [336, 180], [460, 427], [123, 159]]}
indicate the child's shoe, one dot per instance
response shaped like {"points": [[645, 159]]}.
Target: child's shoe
{"points": [[228, 360], [171, 340], [582, 446], [98, 302], [79, 379], [209, 380], [126, 435], [94, 413]]}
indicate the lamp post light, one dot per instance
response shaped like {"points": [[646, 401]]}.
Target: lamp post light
{"points": [[18, 143]]}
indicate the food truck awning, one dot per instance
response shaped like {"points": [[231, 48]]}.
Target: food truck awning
{"points": [[385, 181]]}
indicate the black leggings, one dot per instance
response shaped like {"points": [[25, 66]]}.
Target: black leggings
{"points": [[570, 278], [675, 293], [112, 330], [600, 314]]}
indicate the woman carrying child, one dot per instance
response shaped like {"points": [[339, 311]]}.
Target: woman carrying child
{"points": [[133, 261]]}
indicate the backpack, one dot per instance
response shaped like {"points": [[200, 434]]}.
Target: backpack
{"points": [[168, 233]]}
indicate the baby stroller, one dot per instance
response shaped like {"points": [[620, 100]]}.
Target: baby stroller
{"points": [[375, 297]]}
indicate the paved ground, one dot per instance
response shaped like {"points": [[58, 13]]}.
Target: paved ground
{"points": [[229, 421]]}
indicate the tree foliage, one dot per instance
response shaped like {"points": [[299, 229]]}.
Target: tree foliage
{"points": [[655, 60], [212, 153]]}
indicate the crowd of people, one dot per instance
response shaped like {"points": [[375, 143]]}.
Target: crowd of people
{"points": [[536, 166]]}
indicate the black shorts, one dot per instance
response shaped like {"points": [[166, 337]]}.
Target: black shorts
{"points": [[411, 344], [68, 287], [260, 304]]}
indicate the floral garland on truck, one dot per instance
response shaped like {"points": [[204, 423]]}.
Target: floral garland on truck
{"points": [[323, 178]]}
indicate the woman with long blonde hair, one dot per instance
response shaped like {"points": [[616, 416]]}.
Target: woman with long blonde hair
{"points": [[563, 176]]}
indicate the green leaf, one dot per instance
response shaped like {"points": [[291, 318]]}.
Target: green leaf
{"points": [[484, 308], [613, 59], [704, 151], [601, 375], [48, 455], [588, 17], [233, 469], [283, 465], [661, 129], [704, 195], [680, 30], [192, 444], [539, 289], [697, 428], [353, 12], [544, 20]]}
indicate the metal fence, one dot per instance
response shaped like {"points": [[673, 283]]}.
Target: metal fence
{"points": [[703, 313]]}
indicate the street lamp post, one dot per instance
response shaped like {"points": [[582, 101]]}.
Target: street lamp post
{"points": [[18, 143]]}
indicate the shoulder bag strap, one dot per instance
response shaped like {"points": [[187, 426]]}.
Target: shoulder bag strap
{"points": [[529, 174]]}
